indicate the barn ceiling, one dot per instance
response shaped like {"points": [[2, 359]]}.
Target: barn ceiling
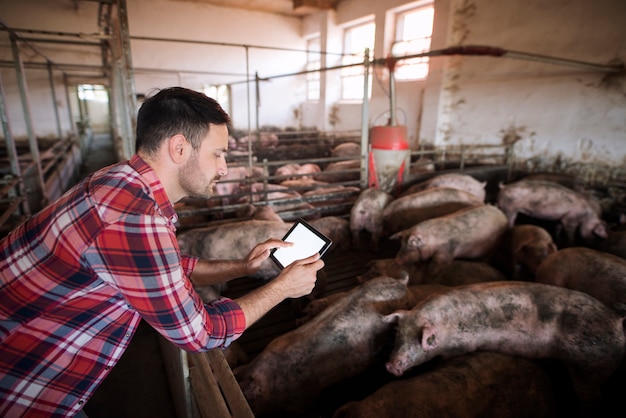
{"points": [[284, 7]]}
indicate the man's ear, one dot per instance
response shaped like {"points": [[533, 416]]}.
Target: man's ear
{"points": [[178, 147]]}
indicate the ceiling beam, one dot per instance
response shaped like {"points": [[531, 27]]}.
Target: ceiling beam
{"points": [[314, 4]]}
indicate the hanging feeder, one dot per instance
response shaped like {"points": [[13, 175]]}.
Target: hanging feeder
{"points": [[390, 153]]}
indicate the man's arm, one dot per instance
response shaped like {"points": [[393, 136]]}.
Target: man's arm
{"points": [[211, 272], [297, 280]]}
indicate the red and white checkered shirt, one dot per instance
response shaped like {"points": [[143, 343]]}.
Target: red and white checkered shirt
{"points": [[77, 278]]}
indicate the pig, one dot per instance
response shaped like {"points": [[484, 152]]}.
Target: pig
{"points": [[233, 241], [324, 196], [473, 233], [523, 249], [458, 181], [411, 209], [336, 228], [458, 272], [260, 212], [286, 172], [314, 307], [295, 171], [279, 197], [531, 320], [389, 267], [340, 171], [302, 184], [475, 385], [615, 244], [554, 202], [233, 183], [422, 165], [264, 140], [347, 149], [366, 214], [599, 274], [343, 340], [567, 180]]}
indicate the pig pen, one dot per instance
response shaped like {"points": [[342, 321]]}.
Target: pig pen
{"points": [[341, 271], [491, 165]]}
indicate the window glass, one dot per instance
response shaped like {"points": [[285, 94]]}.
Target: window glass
{"points": [[413, 35], [219, 92], [313, 62]]}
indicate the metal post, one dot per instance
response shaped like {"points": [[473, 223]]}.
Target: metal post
{"points": [[54, 100], [11, 151], [128, 80], [32, 140], [365, 121], [66, 86]]}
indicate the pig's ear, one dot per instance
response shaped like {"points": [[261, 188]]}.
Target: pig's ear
{"points": [[404, 277], [600, 230], [429, 339], [397, 235], [394, 317]]}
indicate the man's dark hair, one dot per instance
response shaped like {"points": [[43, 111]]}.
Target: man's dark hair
{"points": [[176, 110]]}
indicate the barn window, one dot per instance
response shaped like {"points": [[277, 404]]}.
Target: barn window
{"points": [[313, 62], [93, 92], [219, 92], [356, 39], [413, 33]]}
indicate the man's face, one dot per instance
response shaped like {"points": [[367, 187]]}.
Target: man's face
{"points": [[205, 166]]}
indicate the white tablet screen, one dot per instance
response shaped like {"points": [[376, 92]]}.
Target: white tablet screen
{"points": [[307, 241]]}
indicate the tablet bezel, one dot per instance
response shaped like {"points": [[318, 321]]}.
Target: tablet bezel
{"points": [[322, 250]]}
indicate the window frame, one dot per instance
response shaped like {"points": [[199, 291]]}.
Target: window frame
{"points": [[352, 77], [313, 62]]}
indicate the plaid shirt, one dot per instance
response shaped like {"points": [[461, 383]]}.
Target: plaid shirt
{"points": [[77, 278]]}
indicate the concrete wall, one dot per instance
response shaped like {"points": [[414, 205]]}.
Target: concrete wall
{"points": [[555, 112]]}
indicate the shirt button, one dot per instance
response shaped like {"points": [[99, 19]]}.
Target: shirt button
{"points": [[128, 335], [80, 402]]}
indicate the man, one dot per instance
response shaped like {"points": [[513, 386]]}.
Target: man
{"points": [[77, 277]]}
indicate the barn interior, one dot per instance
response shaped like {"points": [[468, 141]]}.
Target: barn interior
{"points": [[494, 90]]}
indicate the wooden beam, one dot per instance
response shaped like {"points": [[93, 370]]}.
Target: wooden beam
{"points": [[314, 4]]}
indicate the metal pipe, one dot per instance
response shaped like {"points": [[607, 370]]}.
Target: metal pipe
{"points": [[474, 50], [128, 79], [32, 140], [482, 50], [365, 122], [54, 100], [13, 157], [194, 41]]}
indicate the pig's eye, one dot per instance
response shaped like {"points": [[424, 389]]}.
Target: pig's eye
{"points": [[415, 242]]}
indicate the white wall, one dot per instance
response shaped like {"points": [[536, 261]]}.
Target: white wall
{"points": [[239, 32], [558, 112]]}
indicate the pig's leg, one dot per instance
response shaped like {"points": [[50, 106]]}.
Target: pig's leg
{"points": [[437, 263]]}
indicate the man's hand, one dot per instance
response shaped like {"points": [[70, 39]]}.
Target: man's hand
{"points": [[298, 279], [260, 253]]}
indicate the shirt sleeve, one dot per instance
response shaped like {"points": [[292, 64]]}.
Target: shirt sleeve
{"points": [[140, 257], [188, 263]]}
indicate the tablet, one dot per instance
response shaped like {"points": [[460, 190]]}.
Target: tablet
{"points": [[307, 241]]}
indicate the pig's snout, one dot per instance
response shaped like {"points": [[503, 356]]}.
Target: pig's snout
{"points": [[394, 368]]}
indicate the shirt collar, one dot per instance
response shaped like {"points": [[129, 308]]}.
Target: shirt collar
{"points": [[151, 178]]}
